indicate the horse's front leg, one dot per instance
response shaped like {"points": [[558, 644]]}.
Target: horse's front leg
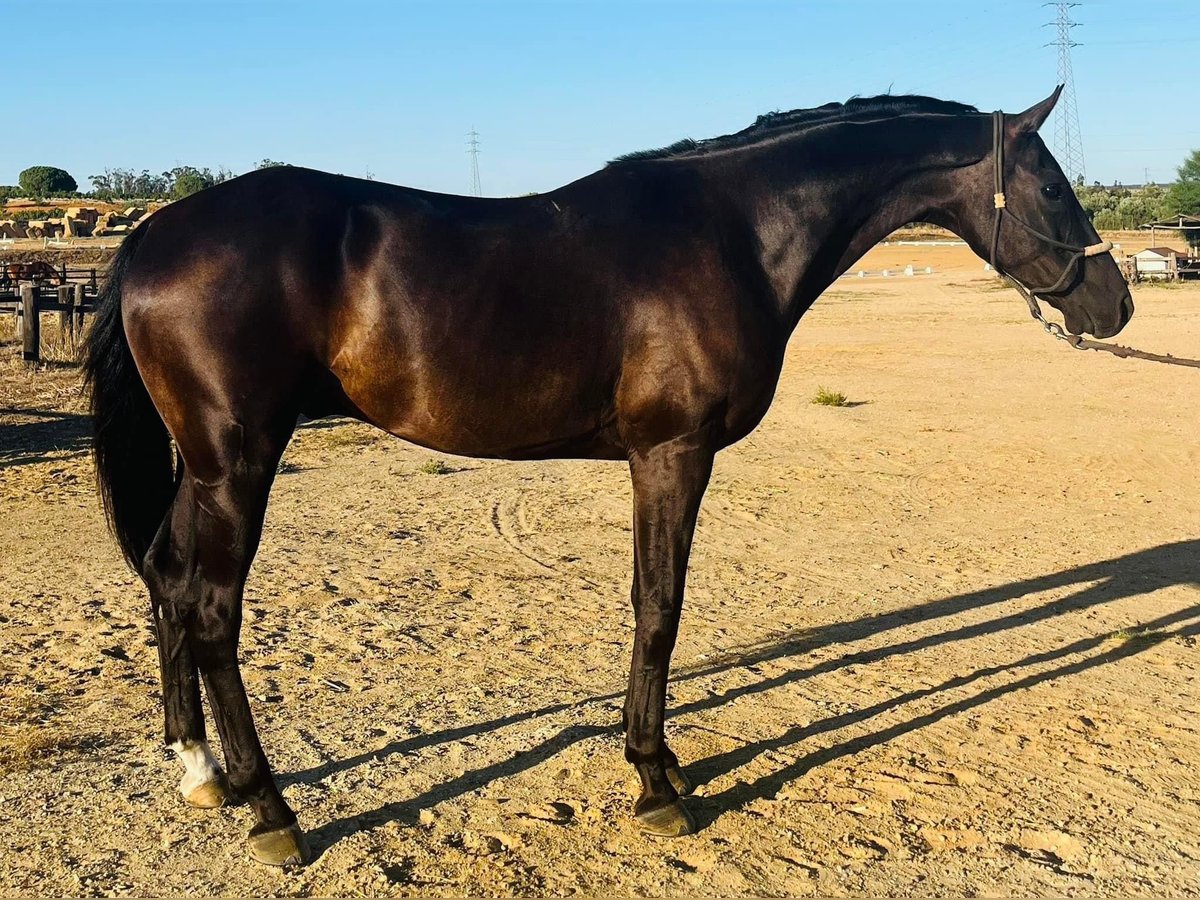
{"points": [[668, 482]]}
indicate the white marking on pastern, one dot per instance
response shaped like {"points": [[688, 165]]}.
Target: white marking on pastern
{"points": [[198, 760]]}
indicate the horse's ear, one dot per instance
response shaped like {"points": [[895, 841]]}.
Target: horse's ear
{"points": [[1031, 120]]}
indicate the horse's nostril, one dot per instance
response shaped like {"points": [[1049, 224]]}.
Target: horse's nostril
{"points": [[1127, 308]]}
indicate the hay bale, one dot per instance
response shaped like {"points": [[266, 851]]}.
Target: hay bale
{"points": [[85, 214], [133, 213], [44, 228], [10, 228], [75, 227], [104, 223]]}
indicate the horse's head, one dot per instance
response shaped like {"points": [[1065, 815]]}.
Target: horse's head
{"points": [[1036, 232], [42, 271]]}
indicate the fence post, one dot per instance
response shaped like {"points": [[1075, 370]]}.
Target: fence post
{"points": [[66, 319], [93, 280], [31, 334], [79, 298]]}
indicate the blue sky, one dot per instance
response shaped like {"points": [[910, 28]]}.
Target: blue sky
{"points": [[554, 88]]}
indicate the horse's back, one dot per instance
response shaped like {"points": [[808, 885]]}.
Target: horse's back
{"points": [[432, 312]]}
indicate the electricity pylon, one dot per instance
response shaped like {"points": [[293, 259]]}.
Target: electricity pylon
{"points": [[1068, 145], [473, 152]]}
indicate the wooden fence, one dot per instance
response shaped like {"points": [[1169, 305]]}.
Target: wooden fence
{"points": [[27, 302], [66, 274]]}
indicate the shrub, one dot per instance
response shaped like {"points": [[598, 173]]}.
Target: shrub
{"points": [[1118, 208], [24, 215]]}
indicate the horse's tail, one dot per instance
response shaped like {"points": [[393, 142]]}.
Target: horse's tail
{"points": [[129, 440]]}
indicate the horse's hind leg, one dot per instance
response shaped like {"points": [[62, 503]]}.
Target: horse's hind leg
{"points": [[203, 783], [215, 533]]}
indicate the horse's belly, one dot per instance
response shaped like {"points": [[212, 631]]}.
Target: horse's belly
{"points": [[502, 410]]}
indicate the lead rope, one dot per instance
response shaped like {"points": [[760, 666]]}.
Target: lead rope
{"points": [[1080, 253]]}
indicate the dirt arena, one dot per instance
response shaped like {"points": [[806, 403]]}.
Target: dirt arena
{"points": [[941, 641]]}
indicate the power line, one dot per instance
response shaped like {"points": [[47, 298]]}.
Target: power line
{"points": [[473, 152], [1068, 145]]}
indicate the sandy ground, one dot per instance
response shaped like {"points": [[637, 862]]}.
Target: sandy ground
{"points": [[940, 641]]}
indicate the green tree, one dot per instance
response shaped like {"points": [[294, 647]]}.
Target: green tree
{"points": [[187, 184], [187, 180], [46, 181], [126, 184], [270, 164], [1184, 195]]}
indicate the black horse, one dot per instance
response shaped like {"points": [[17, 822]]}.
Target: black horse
{"points": [[639, 314]]}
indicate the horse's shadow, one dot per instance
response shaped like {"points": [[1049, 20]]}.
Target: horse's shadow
{"points": [[1099, 583]]}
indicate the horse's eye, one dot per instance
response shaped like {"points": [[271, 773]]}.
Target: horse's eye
{"points": [[1053, 191]]}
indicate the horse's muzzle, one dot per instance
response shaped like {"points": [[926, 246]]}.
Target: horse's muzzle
{"points": [[1124, 314]]}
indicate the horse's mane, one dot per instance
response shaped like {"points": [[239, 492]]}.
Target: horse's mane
{"points": [[774, 124]]}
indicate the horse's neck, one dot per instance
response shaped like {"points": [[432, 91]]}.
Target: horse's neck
{"points": [[812, 225]]}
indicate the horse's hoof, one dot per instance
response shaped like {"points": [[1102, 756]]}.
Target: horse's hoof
{"points": [[679, 781], [281, 847], [672, 820], [209, 795]]}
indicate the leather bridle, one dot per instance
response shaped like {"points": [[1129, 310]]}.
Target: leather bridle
{"points": [[1002, 211]]}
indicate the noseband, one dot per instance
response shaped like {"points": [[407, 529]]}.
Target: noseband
{"points": [[1002, 210]]}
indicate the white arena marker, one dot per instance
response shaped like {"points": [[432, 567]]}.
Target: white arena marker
{"points": [[908, 270], [887, 273], [929, 270]]}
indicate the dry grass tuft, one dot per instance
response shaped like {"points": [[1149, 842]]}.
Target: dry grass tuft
{"points": [[350, 435], [826, 397], [1145, 636]]}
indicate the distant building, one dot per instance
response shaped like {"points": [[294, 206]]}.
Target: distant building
{"points": [[1158, 260]]}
